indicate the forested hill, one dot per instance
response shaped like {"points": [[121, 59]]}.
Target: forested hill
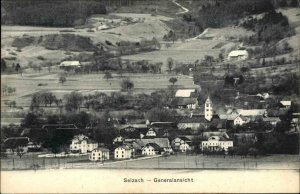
{"points": [[54, 13]]}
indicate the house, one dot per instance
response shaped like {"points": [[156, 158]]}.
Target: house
{"points": [[82, 144], [240, 120], [238, 55], [185, 93], [134, 145], [163, 142], [152, 149], [151, 133], [123, 152], [163, 125], [182, 103], [118, 140], [286, 103], [185, 147], [70, 64], [178, 141], [16, 144], [215, 141], [99, 154]]}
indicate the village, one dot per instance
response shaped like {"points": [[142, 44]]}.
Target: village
{"points": [[114, 85]]}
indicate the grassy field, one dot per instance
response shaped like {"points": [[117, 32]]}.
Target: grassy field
{"points": [[27, 84]]}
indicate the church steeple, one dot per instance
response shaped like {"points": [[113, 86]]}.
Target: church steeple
{"points": [[208, 110]]}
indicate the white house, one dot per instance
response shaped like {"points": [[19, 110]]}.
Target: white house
{"points": [[217, 143], [151, 149], [185, 147], [151, 133], [238, 55], [82, 144], [179, 141], [99, 154], [123, 152], [240, 120], [118, 139]]}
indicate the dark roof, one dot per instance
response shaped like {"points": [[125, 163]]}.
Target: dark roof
{"points": [[185, 139], [180, 101], [155, 146], [163, 125], [15, 142]]}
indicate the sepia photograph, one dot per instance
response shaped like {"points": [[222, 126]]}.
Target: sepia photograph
{"points": [[150, 96]]}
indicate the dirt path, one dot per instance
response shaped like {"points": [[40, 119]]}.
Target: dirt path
{"points": [[185, 10]]}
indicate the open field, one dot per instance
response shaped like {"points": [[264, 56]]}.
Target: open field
{"points": [[27, 84]]}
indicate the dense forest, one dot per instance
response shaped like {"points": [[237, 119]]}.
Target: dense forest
{"points": [[54, 13]]}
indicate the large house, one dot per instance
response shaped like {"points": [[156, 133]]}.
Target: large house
{"points": [[123, 152], [82, 144], [216, 141], [164, 143], [99, 154], [238, 55]]}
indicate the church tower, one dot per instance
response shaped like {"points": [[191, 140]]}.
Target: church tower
{"points": [[208, 111]]}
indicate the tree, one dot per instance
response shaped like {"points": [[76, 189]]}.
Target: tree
{"points": [[127, 85], [170, 63], [62, 79], [173, 80], [73, 101], [107, 75], [3, 65]]}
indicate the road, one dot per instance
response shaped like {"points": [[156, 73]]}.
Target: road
{"points": [[185, 10]]}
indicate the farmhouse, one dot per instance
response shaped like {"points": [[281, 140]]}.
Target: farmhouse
{"points": [[216, 141], [123, 152], [286, 103], [252, 112], [164, 143], [238, 55], [185, 147], [240, 120], [82, 144], [272, 120], [99, 154], [16, 144], [152, 149]]}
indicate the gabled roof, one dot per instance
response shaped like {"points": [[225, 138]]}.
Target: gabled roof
{"points": [[155, 146], [59, 126], [69, 63], [14, 142], [162, 142], [179, 101], [185, 139], [126, 147], [162, 124], [184, 92]]}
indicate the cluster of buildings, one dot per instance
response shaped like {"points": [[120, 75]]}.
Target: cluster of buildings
{"points": [[202, 130]]}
